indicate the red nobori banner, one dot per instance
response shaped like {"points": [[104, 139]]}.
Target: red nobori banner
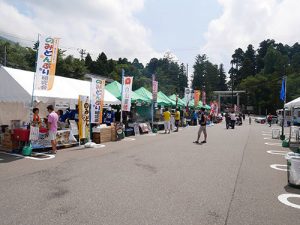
{"points": [[196, 97]]}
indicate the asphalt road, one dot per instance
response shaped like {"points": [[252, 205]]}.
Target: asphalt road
{"points": [[153, 180]]}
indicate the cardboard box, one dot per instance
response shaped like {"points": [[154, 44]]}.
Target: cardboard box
{"points": [[105, 134]]}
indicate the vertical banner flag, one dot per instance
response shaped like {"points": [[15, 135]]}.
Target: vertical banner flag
{"points": [[196, 97], [46, 63], [216, 108], [154, 90], [127, 89], [187, 93], [84, 117], [97, 100], [203, 98], [282, 91]]}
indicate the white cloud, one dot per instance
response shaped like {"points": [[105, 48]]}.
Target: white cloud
{"points": [[94, 25], [250, 22]]}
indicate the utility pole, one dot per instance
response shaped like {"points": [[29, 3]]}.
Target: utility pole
{"points": [[82, 52], [187, 74], [232, 104]]}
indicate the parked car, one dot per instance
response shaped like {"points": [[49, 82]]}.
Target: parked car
{"points": [[260, 119]]}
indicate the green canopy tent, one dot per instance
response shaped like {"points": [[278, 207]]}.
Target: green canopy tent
{"points": [[180, 102], [164, 100], [144, 93], [115, 89]]}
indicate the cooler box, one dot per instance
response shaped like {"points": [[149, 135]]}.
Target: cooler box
{"points": [[21, 135], [275, 133], [293, 168]]}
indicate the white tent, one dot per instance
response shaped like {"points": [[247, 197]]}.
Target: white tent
{"points": [[16, 93], [293, 104]]}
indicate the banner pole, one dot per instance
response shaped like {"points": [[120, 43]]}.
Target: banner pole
{"points": [[123, 74], [283, 116], [34, 76]]}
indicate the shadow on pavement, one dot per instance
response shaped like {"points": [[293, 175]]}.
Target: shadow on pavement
{"points": [[292, 190], [6, 158]]}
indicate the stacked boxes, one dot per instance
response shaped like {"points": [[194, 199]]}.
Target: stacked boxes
{"points": [[96, 138], [113, 133], [105, 134], [8, 143]]}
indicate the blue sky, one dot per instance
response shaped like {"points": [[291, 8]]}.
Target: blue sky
{"points": [[145, 29], [179, 26]]}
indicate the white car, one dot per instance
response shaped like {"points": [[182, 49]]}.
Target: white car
{"points": [[260, 119]]}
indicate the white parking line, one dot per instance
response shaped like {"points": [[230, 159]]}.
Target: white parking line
{"points": [[273, 143], [29, 157], [276, 152], [267, 138], [129, 139], [277, 167], [284, 199]]}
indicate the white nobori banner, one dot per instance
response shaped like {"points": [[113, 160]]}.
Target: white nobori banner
{"points": [[126, 93], [97, 100]]}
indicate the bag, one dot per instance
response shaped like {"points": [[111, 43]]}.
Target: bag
{"points": [[27, 150]]}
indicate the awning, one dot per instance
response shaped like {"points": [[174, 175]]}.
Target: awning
{"points": [[180, 102], [293, 104], [16, 86], [115, 88]]}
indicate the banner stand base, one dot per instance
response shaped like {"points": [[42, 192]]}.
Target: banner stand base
{"points": [[91, 144]]}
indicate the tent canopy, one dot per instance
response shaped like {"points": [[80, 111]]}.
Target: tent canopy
{"points": [[16, 86], [293, 104], [115, 88], [180, 102], [144, 93], [164, 100]]}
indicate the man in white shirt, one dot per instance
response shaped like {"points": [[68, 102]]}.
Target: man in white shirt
{"points": [[232, 119]]}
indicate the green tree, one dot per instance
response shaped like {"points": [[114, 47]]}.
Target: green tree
{"points": [[222, 86]]}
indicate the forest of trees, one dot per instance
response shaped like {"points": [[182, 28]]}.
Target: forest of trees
{"points": [[257, 71], [170, 74]]}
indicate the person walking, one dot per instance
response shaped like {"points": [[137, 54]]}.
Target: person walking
{"points": [[233, 119], [52, 127], [177, 119], [167, 120], [202, 128], [227, 119], [269, 119]]}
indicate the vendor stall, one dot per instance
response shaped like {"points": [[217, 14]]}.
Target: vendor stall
{"points": [[15, 102], [293, 107]]}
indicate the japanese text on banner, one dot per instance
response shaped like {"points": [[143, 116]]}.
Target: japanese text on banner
{"points": [[84, 117], [127, 91], [46, 63], [97, 100]]}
